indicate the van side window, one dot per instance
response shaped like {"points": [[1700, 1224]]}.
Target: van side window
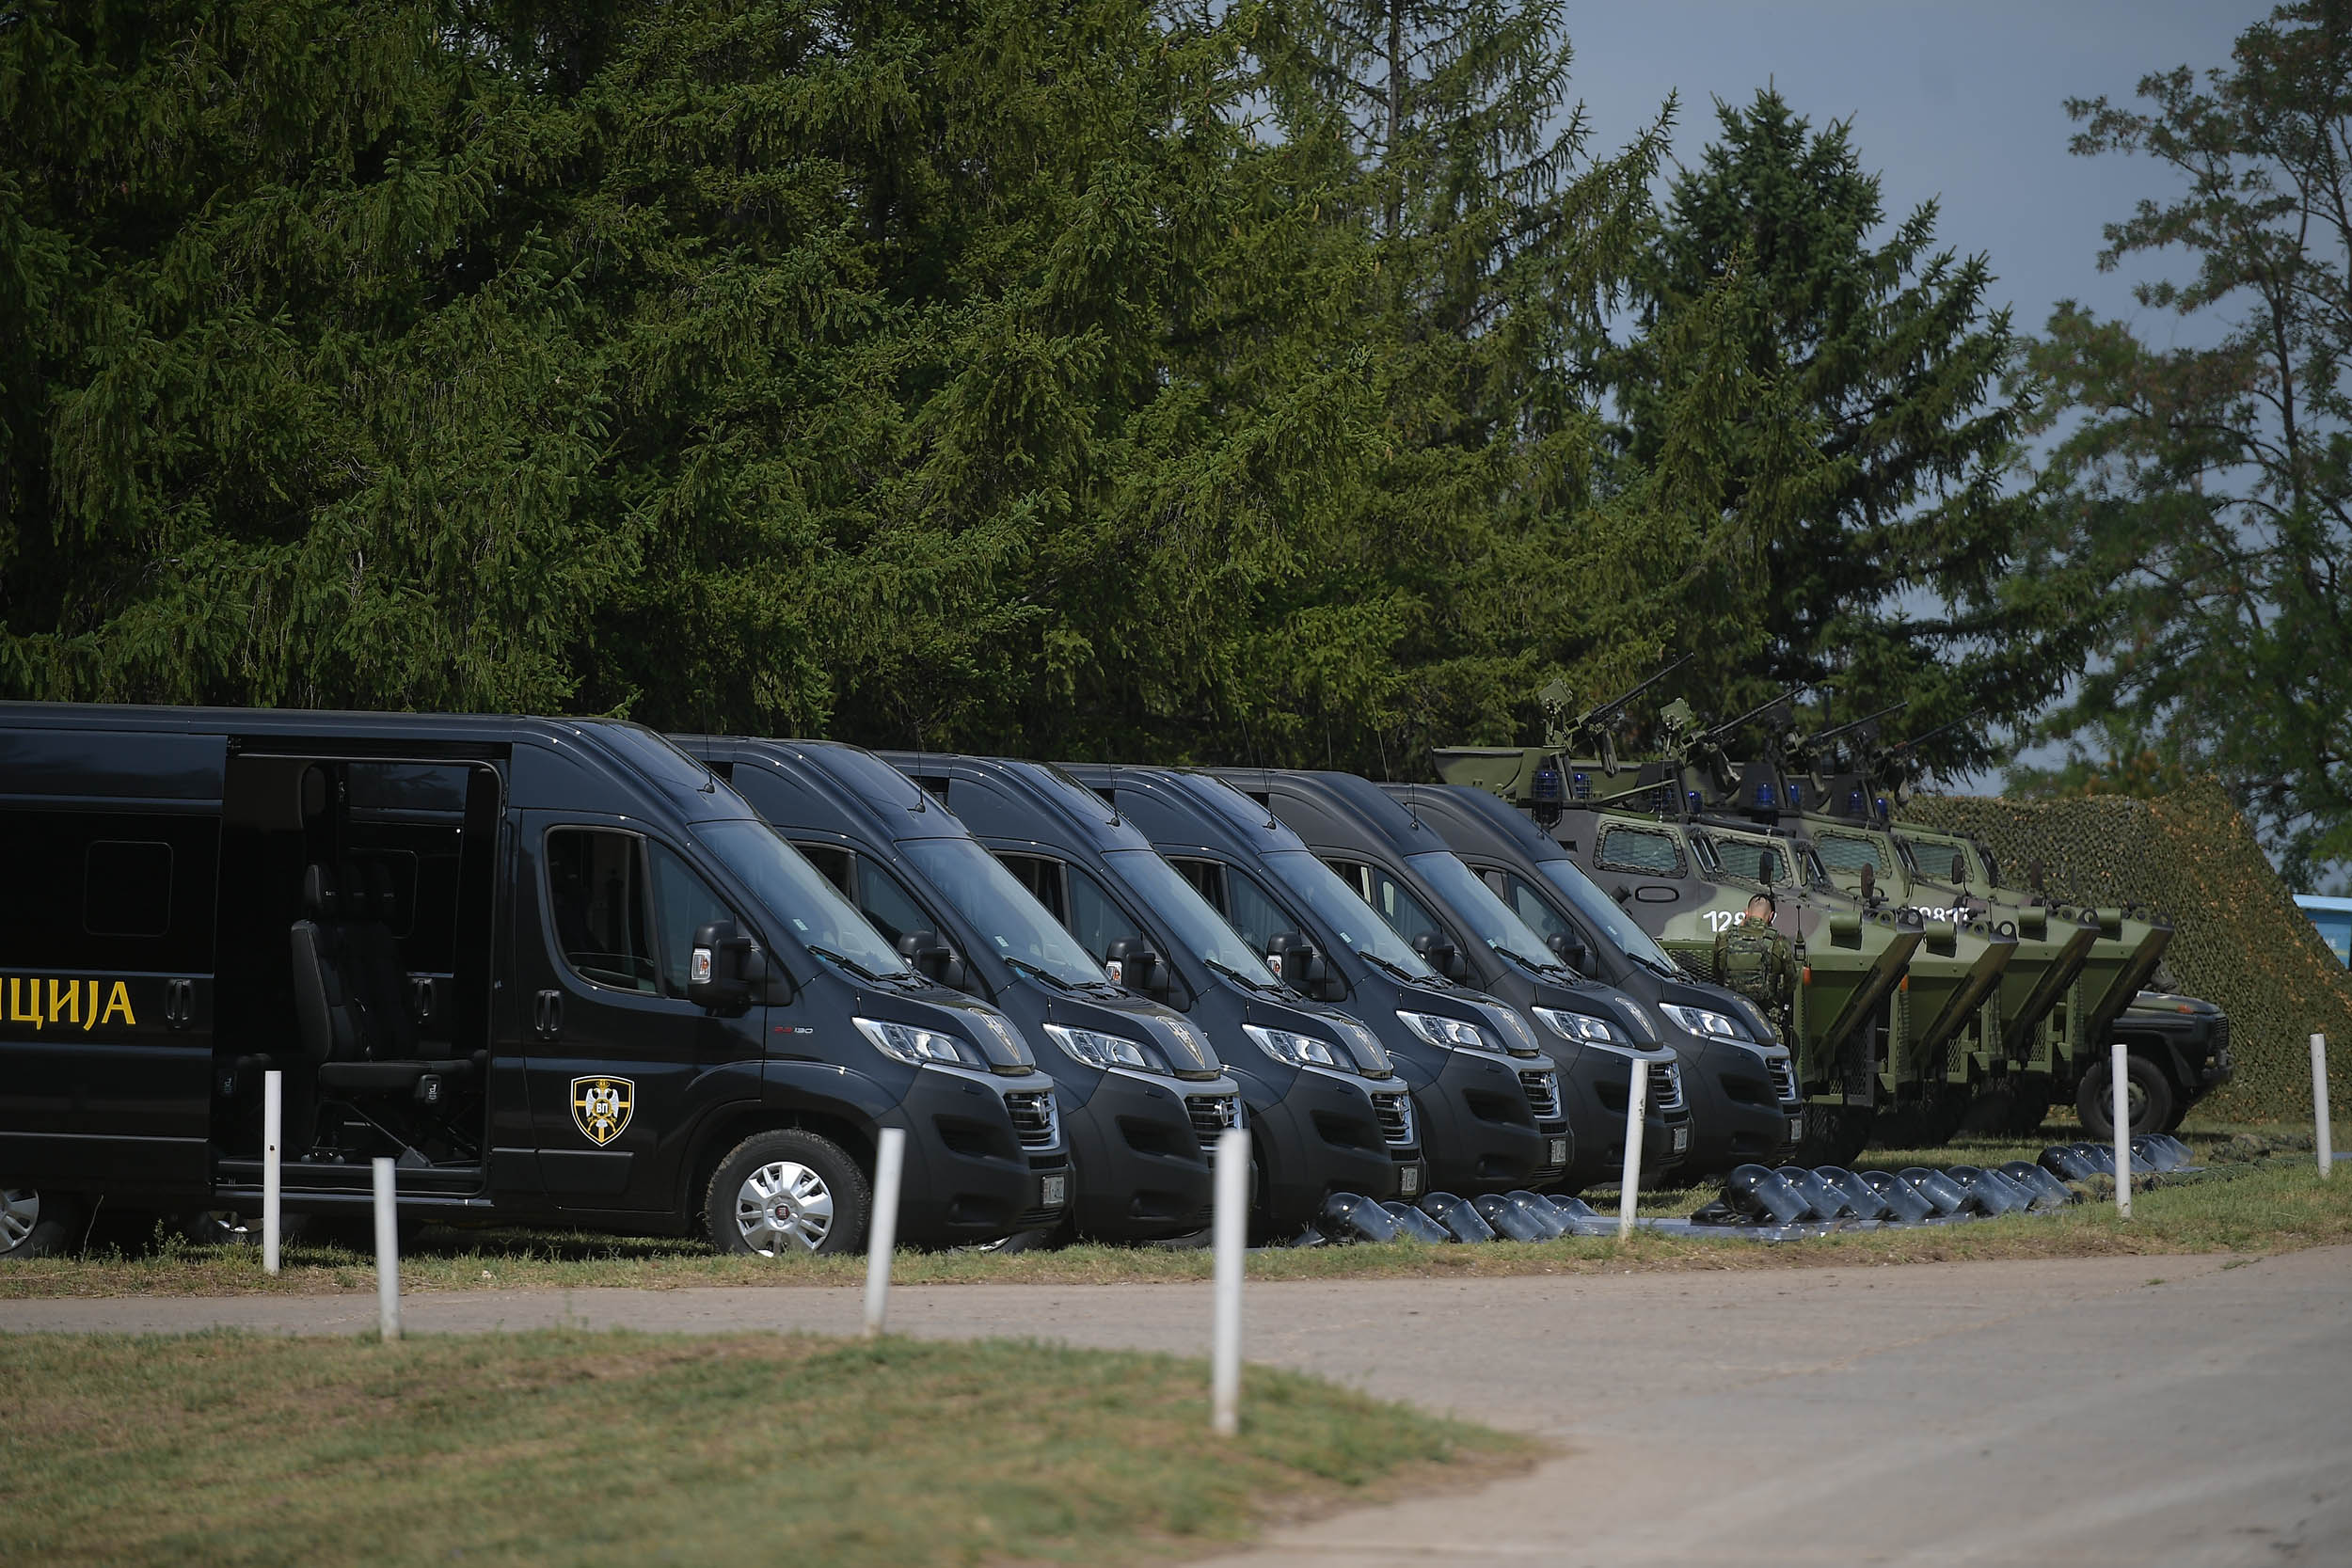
{"points": [[596, 888], [1042, 878], [1253, 912], [126, 889], [1638, 849], [883, 899], [1094, 920], [1533, 908], [834, 862], [1407, 915], [1208, 880], [682, 903]]}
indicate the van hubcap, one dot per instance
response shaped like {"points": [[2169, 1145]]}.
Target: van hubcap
{"points": [[784, 1207], [19, 1212]]}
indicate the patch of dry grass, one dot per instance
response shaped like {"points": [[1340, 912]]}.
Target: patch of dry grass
{"points": [[577, 1448]]}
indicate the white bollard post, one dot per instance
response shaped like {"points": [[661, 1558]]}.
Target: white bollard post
{"points": [[2120, 1108], [1231, 1235], [2326, 1143], [890, 1160], [386, 1251], [1636, 1118], [273, 1131]]}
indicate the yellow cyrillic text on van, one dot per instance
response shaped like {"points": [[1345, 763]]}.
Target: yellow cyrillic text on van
{"points": [[118, 999]]}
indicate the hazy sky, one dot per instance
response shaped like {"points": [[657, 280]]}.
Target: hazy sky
{"points": [[1963, 102]]}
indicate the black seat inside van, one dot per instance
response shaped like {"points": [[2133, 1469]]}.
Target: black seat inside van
{"points": [[351, 993]]}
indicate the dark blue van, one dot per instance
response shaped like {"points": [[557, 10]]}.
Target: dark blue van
{"points": [[1736, 1072], [554, 968], [1143, 1095], [1329, 1113], [1486, 1100], [1405, 870]]}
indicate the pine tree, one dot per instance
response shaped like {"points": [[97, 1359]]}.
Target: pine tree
{"points": [[1870, 506]]}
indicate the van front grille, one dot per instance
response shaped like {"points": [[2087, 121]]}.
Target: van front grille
{"points": [[1394, 1110], [1665, 1085], [1783, 1078], [1543, 1094], [1213, 1115], [1035, 1119]]}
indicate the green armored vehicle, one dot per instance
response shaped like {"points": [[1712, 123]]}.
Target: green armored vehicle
{"points": [[2179, 1045], [1946, 1016], [1827, 970]]}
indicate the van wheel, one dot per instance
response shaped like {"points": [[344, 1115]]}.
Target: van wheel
{"points": [[785, 1193], [33, 1224], [2146, 1091]]}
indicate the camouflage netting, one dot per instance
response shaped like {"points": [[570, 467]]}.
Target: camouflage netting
{"points": [[2239, 940]]}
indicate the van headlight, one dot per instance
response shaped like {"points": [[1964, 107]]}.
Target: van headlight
{"points": [[1704, 1023], [905, 1043], [1298, 1050], [1449, 1034], [1583, 1028], [1098, 1050]]}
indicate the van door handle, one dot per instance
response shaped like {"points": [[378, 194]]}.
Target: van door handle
{"points": [[547, 1014], [179, 1003]]}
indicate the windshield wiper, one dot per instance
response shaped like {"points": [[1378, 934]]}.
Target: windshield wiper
{"points": [[856, 968], [1400, 971], [1238, 977], [1526, 962], [1023, 966]]}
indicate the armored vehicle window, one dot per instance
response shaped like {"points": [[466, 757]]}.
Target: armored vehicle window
{"points": [[1751, 862], [1847, 852], [682, 901], [1639, 849], [126, 889], [597, 887]]}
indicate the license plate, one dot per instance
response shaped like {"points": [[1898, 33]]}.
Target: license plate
{"points": [[1051, 1191], [1796, 1130], [1681, 1139], [1557, 1151], [1407, 1179]]}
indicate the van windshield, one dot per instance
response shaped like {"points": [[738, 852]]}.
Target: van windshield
{"points": [[1475, 904], [1023, 931], [1598, 908], [1358, 926], [798, 895], [1192, 918]]}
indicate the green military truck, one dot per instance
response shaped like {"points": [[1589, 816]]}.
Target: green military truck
{"points": [[1827, 972]]}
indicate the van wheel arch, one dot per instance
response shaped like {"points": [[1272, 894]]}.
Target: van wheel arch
{"points": [[724, 1133]]}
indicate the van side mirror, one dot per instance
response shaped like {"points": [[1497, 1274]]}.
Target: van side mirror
{"points": [[1133, 962], [1569, 951], [720, 974], [1441, 956], [928, 954], [1301, 963]]}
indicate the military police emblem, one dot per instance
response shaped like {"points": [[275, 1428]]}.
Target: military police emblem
{"points": [[600, 1107]]}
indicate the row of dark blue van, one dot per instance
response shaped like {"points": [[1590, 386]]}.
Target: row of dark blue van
{"points": [[573, 972]]}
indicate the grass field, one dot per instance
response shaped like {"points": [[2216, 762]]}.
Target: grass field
{"points": [[567, 1446], [2276, 1205]]}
